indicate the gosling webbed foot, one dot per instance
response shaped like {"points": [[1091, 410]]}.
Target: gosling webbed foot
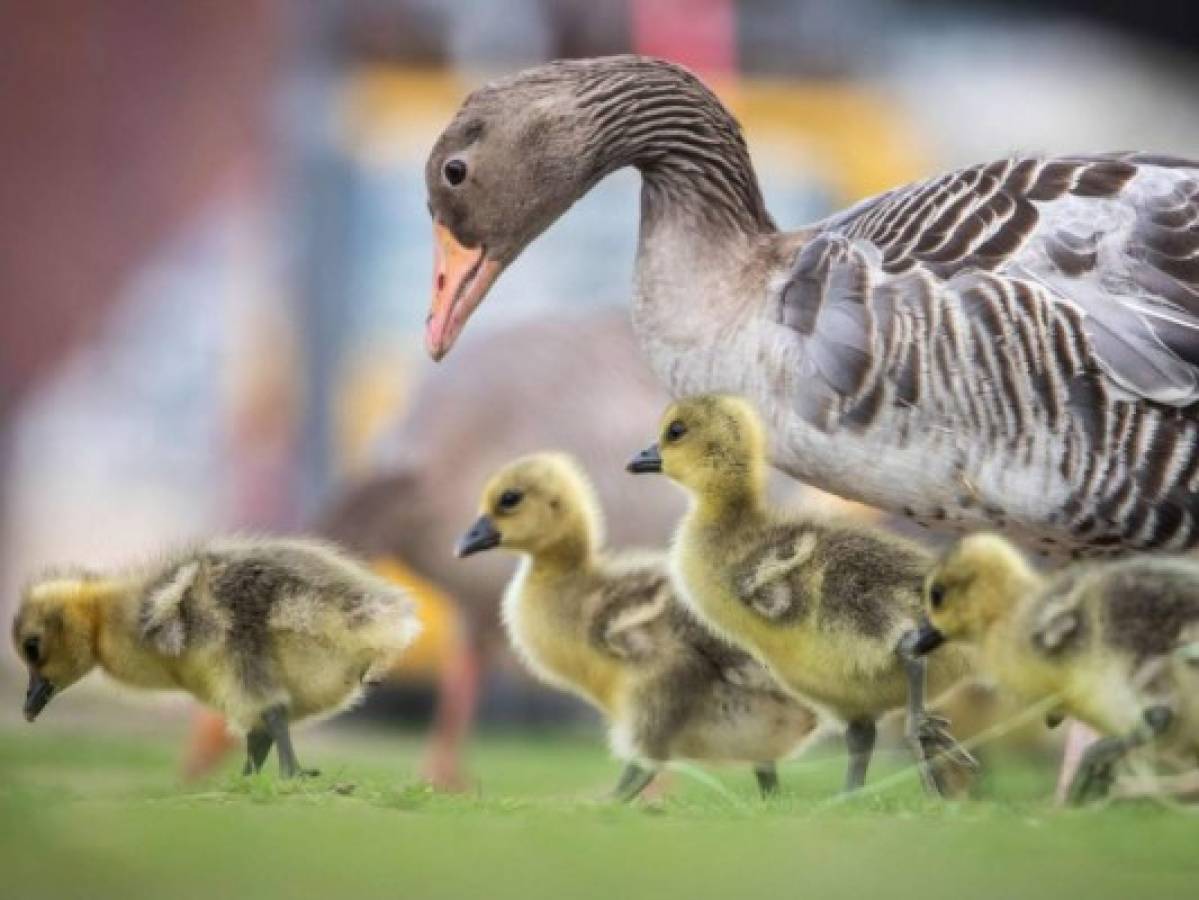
{"points": [[767, 776], [292, 769], [633, 780], [938, 754], [1097, 771], [258, 745], [275, 723]]}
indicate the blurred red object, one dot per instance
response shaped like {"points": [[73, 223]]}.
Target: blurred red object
{"points": [[700, 34], [120, 118]]}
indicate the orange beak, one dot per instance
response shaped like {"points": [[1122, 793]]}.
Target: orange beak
{"points": [[461, 278]]}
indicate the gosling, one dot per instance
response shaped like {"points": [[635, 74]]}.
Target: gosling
{"points": [[1113, 643], [608, 628], [831, 609], [267, 632]]}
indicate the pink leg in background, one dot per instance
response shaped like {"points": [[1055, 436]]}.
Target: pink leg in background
{"points": [[209, 743], [457, 698]]}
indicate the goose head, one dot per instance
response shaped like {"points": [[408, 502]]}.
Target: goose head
{"points": [[713, 445], [54, 634], [520, 151], [513, 160], [975, 584], [536, 504]]}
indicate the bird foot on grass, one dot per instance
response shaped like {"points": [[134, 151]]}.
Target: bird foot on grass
{"points": [[1096, 773], [941, 759]]}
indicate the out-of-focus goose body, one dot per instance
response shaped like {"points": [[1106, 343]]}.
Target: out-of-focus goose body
{"points": [[1015, 344]]}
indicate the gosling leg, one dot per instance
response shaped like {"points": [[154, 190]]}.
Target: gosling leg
{"points": [[768, 779], [859, 740], [1097, 770], [926, 734], [275, 722], [633, 780], [258, 745]]}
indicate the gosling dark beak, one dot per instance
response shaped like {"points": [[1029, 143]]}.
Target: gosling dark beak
{"points": [[928, 639], [483, 535], [648, 460], [37, 696]]}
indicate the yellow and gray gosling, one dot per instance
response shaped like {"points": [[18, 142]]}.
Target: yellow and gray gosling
{"points": [[832, 609], [608, 628], [1117, 642], [268, 632]]}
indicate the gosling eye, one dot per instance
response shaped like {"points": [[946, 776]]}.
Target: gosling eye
{"points": [[31, 649], [454, 171], [675, 430], [510, 499], [936, 594]]}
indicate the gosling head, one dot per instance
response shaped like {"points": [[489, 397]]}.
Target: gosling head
{"points": [[713, 445], [54, 634], [975, 583], [536, 504]]}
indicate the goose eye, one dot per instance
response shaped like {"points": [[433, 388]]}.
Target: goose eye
{"points": [[936, 595], [510, 499], [675, 430], [455, 172], [31, 649]]}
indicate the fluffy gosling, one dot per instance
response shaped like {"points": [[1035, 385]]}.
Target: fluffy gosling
{"points": [[831, 609], [268, 632], [1116, 642], [608, 628]]}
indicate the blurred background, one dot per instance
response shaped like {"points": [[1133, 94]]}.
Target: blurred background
{"points": [[215, 260]]}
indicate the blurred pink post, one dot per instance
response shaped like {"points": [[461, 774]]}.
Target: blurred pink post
{"points": [[701, 34]]}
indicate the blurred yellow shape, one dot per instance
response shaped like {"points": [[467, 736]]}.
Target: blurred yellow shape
{"points": [[372, 395], [842, 132], [439, 616]]}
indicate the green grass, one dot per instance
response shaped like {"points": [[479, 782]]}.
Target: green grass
{"points": [[97, 816]]}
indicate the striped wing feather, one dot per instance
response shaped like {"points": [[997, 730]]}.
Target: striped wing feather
{"points": [[1025, 297]]}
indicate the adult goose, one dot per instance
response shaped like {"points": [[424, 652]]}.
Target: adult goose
{"points": [[1014, 344]]}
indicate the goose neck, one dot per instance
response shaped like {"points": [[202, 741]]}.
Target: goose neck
{"points": [[665, 122]]}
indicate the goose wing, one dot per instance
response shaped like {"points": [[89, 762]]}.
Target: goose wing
{"points": [[1027, 300], [1108, 244]]}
